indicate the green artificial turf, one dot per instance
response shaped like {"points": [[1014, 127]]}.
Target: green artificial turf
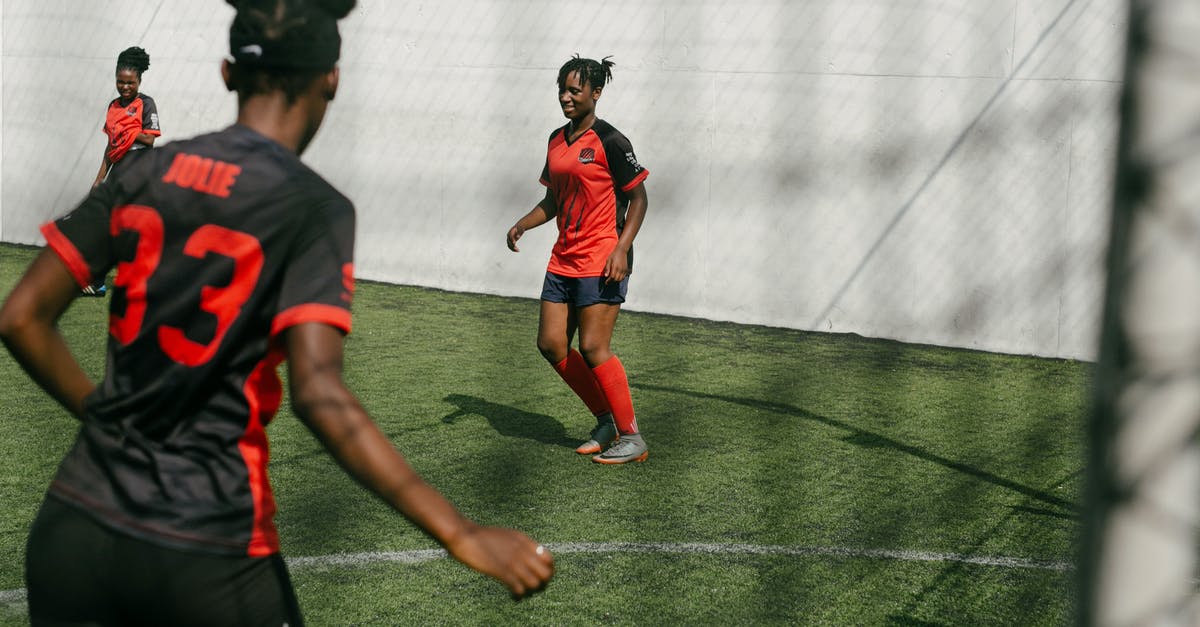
{"points": [[884, 468]]}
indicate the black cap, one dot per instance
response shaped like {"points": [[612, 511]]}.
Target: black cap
{"points": [[306, 41]]}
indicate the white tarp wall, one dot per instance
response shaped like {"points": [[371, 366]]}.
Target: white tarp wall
{"points": [[931, 171]]}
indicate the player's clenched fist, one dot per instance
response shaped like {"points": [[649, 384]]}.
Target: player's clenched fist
{"points": [[507, 555]]}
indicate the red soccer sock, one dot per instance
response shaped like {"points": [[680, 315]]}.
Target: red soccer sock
{"points": [[611, 375], [574, 370]]}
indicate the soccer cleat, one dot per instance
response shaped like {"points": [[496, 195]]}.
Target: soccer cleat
{"points": [[95, 290], [630, 448], [604, 434]]}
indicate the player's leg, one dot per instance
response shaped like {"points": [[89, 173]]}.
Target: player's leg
{"points": [[554, 320], [597, 319], [557, 323], [81, 573], [200, 589], [68, 563]]}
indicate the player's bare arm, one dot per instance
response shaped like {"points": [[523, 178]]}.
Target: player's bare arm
{"points": [[541, 213], [28, 326], [617, 266], [105, 164], [323, 402]]}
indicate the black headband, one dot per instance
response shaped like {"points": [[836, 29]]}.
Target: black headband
{"points": [[314, 44]]}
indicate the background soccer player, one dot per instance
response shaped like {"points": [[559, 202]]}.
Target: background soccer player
{"points": [[131, 124], [131, 121], [231, 256], [595, 190]]}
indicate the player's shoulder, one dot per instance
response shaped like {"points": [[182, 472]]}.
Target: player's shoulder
{"points": [[312, 190], [145, 98], [274, 169], [206, 145], [560, 131], [607, 132], [325, 195]]}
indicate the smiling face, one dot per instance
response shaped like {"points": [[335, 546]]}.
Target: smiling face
{"points": [[577, 98], [128, 83]]}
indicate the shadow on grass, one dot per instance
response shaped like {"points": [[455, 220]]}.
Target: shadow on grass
{"points": [[908, 621], [863, 437], [511, 422]]}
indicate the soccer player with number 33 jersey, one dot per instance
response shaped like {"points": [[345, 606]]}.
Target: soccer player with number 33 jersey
{"points": [[232, 256]]}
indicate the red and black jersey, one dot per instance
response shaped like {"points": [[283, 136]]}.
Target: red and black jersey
{"points": [[125, 121], [589, 178], [220, 243]]}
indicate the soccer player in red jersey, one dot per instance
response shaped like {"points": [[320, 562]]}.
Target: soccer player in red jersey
{"points": [[595, 191], [130, 123], [232, 256]]}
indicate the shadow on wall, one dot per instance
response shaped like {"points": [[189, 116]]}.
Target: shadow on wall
{"points": [[939, 245]]}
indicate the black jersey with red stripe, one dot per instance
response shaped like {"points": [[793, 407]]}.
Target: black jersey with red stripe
{"points": [[589, 177], [220, 243]]}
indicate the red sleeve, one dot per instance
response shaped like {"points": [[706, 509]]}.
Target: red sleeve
{"points": [[641, 176], [318, 283], [81, 238], [336, 317], [68, 253]]}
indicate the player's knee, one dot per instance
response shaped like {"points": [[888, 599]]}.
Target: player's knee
{"points": [[595, 353], [553, 351]]}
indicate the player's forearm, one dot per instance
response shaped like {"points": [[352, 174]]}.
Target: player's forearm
{"points": [[41, 351], [104, 165], [357, 444], [634, 216], [538, 216], [145, 138], [28, 328]]}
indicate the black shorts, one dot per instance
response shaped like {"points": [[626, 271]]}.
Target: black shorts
{"points": [[583, 291], [79, 572]]}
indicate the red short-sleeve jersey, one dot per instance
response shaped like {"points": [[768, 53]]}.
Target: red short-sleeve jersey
{"points": [[589, 177], [125, 121]]}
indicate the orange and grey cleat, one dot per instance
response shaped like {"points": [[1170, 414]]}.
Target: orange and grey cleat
{"points": [[603, 435], [630, 448]]}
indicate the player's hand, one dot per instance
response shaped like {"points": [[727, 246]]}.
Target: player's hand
{"points": [[507, 555], [617, 267], [514, 234]]}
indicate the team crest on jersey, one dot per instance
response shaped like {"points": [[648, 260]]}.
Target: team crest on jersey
{"points": [[587, 155]]}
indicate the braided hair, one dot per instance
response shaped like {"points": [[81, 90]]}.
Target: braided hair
{"points": [[283, 44], [591, 72], [135, 59]]}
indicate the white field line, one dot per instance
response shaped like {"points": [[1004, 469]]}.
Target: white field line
{"points": [[412, 557], [687, 548]]}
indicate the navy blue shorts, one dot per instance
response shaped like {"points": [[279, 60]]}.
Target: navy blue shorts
{"points": [[583, 291]]}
